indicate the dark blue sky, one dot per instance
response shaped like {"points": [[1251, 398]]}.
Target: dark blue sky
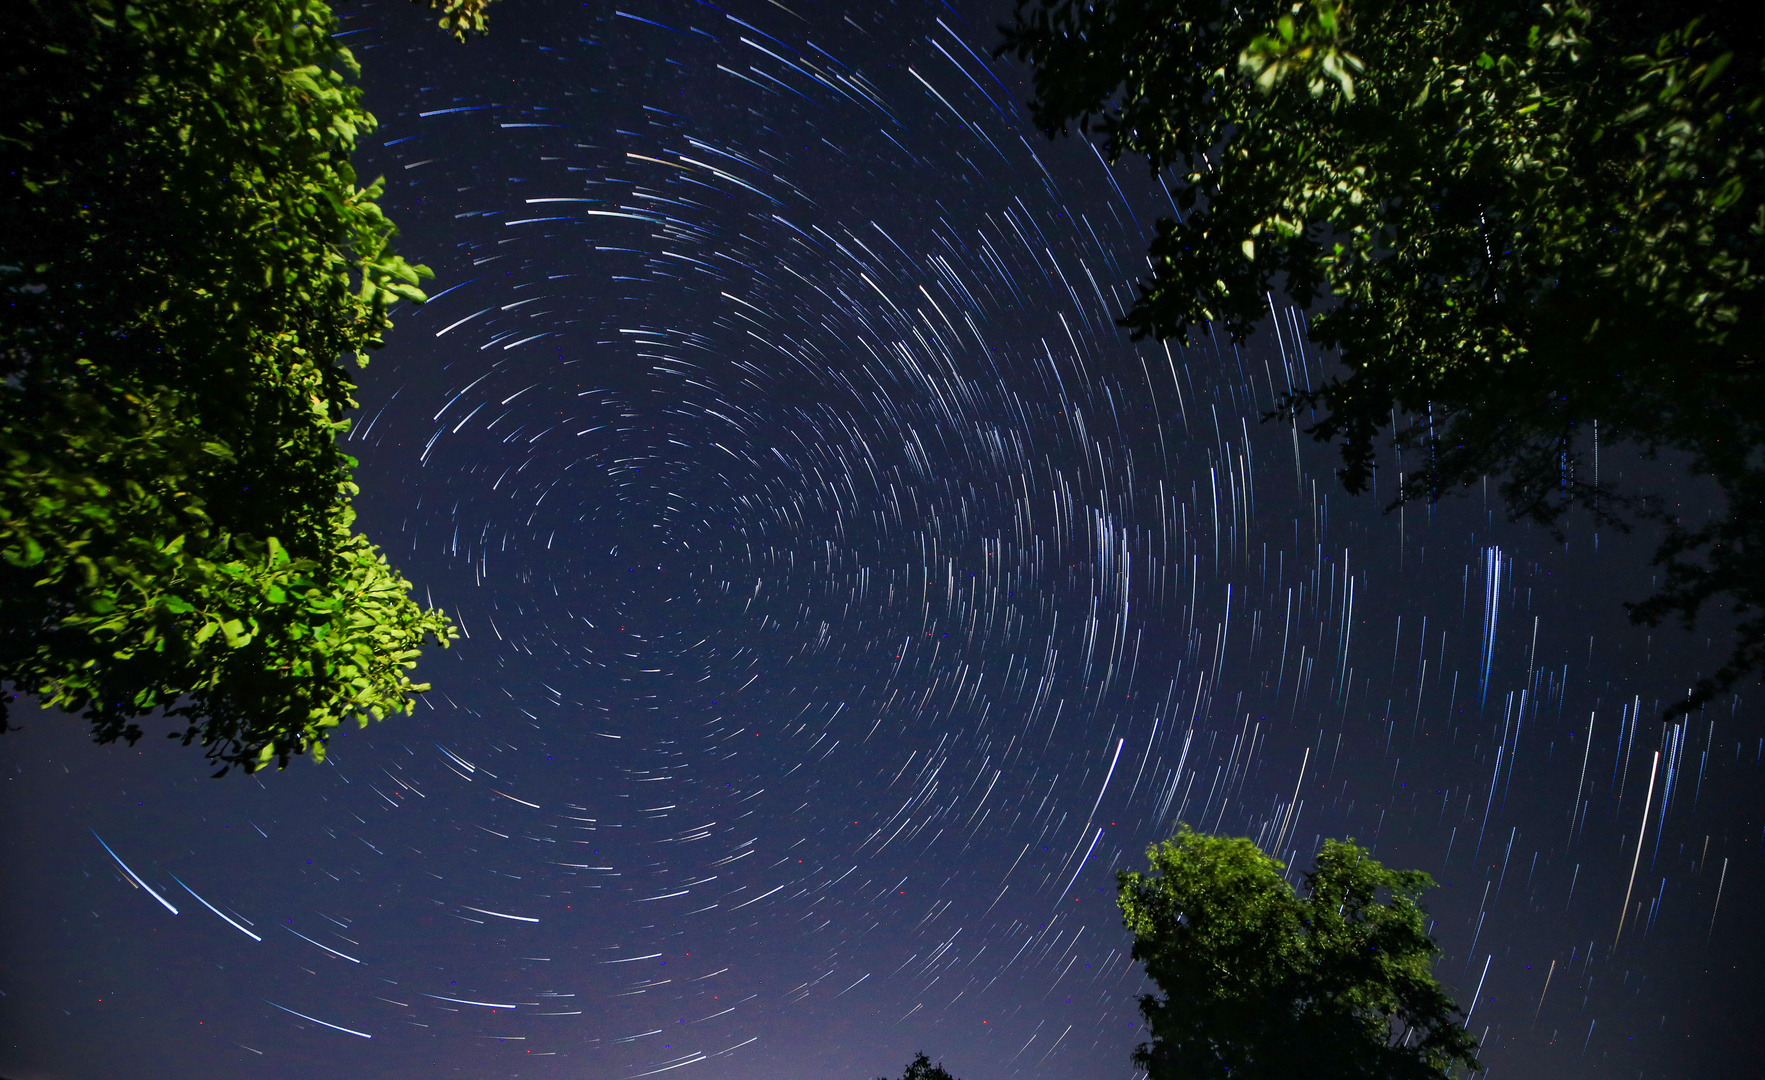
{"points": [[848, 599]]}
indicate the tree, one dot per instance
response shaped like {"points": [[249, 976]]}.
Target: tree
{"points": [[1525, 228], [921, 1068], [187, 262], [1259, 982]]}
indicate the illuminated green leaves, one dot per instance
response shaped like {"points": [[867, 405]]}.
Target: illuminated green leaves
{"points": [[1258, 982], [461, 17], [1306, 42], [174, 514]]}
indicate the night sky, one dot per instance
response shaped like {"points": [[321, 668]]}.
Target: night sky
{"points": [[847, 599]]}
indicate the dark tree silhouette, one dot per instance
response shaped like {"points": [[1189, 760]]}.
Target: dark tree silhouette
{"points": [[921, 1068]]}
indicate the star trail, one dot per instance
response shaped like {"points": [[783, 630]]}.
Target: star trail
{"points": [[845, 598]]}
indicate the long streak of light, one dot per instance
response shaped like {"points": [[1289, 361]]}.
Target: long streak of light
{"points": [[1654, 764], [134, 876]]}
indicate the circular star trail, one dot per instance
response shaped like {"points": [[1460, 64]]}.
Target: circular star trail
{"points": [[846, 599]]}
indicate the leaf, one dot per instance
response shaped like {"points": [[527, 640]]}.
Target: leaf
{"points": [[1728, 194], [30, 553]]}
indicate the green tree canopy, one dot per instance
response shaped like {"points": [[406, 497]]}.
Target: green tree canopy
{"points": [[187, 263], [1259, 983], [1525, 228]]}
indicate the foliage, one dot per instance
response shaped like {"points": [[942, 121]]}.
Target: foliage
{"points": [[921, 1068], [1524, 227], [461, 17], [186, 259], [1259, 982]]}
